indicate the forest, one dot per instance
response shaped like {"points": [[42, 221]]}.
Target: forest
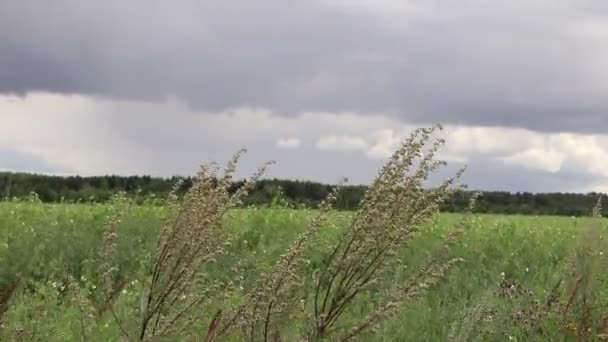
{"points": [[295, 193]]}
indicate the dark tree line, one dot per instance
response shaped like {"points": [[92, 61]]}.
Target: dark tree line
{"points": [[293, 192]]}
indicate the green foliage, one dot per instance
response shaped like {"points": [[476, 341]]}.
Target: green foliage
{"points": [[44, 237], [53, 189], [573, 309]]}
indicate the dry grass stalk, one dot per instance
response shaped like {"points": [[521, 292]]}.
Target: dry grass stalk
{"points": [[427, 278], [79, 298], [5, 296], [392, 212], [473, 318], [273, 295], [110, 287], [581, 314], [192, 238], [107, 304]]}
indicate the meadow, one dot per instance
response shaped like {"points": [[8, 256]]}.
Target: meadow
{"points": [[44, 243], [205, 267]]}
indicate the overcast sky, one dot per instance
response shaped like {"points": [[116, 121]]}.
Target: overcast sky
{"points": [[328, 88]]}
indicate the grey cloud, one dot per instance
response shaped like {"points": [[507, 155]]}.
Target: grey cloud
{"points": [[481, 174], [102, 137], [157, 144], [485, 174], [520, 64], [11, 160]]}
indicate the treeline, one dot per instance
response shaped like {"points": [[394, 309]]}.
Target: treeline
{"points": [[291, 192]]}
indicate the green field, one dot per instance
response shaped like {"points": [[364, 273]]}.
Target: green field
{"points": [[44, 243]]}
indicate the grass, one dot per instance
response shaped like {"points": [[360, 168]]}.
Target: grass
{"points": [[197, 268], [42, 241]]}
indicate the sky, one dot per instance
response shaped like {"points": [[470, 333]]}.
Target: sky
{"points": [[327, 88]]}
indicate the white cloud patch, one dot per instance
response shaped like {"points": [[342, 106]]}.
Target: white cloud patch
{"points": [[379, 144], [384, 143], [341, 143], [80, 134], [565, 151], [537, 158], [490, 141], [289, 143]]}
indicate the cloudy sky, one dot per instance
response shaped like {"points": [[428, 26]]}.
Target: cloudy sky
{"points": [[328, 88]]}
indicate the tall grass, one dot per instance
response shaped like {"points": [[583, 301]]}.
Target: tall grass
{"points": [[200, 268]]}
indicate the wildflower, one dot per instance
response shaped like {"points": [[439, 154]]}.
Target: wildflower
{"points": [[502, 274], [527, 269]]}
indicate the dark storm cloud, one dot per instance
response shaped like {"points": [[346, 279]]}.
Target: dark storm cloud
{"points": [[538, 64]]}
